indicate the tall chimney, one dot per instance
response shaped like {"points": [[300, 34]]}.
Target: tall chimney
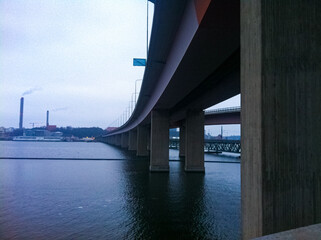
{"points": [[47, 118], [21, 113]]}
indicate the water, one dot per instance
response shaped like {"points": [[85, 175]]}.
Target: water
{"points": [[113, 199]]}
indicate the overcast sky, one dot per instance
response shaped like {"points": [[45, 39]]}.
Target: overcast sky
{"points": [[73, 58]]}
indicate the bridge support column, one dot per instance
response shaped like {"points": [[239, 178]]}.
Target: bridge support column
{"points": [[281, 120], [132, 141], [149, 141], [194, 141], [159, 141], [124, 140], [118, 140], [142, 141], [182, 131]]}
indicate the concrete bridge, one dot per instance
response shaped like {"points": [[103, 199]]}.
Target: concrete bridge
{"points": [[204, 52]]}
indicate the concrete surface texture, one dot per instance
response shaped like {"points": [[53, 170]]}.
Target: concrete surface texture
{"points": [[281, 115], [132, 140], [194, 141], [159, 141], [142, 141]]}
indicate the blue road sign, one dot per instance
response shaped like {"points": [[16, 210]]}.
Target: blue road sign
{"points": [[139, 62]]}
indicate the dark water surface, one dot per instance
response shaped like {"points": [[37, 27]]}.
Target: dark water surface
{"points": [[113, 199]]}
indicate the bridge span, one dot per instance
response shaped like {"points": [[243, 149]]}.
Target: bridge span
{"points": [[176, 88], [204, 52]]}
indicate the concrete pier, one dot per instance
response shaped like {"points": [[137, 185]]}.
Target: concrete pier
{"points": [[148, 139], [124, 140], [182, 131], [142, 141], [281, 115], [132, 140], [194, 141], [118, 140], [159, 159]]}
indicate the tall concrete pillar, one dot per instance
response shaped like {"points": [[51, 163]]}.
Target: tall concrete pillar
{"points": [[132, 144], [124, 140], [159, 154], [118, 140], [149, 139], [281, 115], [194, 141], [182, 131], [142, 141]]}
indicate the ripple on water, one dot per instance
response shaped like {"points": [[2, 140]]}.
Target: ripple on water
{"points": [[42, 199]]}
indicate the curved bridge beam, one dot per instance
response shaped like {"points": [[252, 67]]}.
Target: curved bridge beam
{"points": [[193, 61]]}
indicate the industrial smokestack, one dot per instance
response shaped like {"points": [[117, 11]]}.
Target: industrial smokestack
{"points": [[47, 118], [21, 113]]}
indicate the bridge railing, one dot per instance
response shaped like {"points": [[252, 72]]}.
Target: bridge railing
{"points": [[214, 145]]}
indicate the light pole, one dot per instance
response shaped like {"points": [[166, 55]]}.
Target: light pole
{"points": [[128, 110], [132, 103], [136, 89], [147, 31]]}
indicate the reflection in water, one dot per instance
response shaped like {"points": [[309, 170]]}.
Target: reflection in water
{"points": [[42, 199], [167, 205]]}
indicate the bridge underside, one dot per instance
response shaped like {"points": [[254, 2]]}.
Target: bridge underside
{"points": [[193, 65], [204, 76]]}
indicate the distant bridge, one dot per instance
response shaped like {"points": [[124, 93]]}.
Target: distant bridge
{"points": [[213, 145], [221, 116], [223, 110]]}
